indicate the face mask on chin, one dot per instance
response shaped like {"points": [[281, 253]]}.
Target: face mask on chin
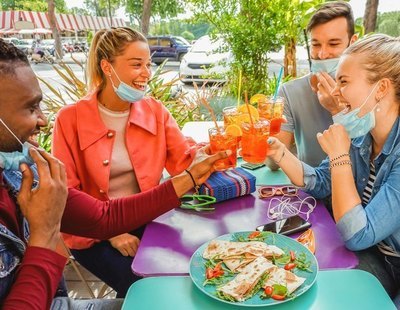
{"points": [[126, 92], [325, 65], [357, 126], [12, 160]]}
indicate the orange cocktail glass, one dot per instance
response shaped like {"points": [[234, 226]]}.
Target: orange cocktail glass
{"points": [[220, 141], [273, 112], [254, 141]]}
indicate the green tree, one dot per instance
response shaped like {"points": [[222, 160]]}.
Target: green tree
{"points": [[296, 19], [104, 8], [250, 29], [370, 15], [160, 9], [32, 5], [389, 23]]}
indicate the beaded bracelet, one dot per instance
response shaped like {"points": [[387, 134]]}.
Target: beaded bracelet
{"points": [[340, 163], [339, 157]]}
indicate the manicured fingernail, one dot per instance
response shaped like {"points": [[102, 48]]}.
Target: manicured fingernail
{"points": [[270, 141], [228, 152], [22, 167]]}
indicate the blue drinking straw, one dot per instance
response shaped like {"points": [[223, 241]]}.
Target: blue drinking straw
{"points": [[278, 83]]}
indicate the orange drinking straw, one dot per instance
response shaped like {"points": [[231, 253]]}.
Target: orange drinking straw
{"points": [[207, 105], [248, 108]]}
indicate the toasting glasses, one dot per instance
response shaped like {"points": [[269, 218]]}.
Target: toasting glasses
{"points": [[270, 191]]}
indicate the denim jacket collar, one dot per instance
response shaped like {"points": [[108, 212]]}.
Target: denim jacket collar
{"points": [[364, 143], [91, 128]]}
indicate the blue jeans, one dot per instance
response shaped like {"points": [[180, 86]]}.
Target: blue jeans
{"points": [[109, 265], [385, 268]]}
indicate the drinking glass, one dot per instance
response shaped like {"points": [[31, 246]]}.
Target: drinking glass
{"points": [[220, 141]]}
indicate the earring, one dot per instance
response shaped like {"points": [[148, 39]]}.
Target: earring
{"points": [[378, 108]]}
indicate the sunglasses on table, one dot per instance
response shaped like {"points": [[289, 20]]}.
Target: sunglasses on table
{"points": [[197, 202], [270, 191]]}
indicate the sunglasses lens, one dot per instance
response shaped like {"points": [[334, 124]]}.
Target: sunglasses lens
{"points": [[290, 191], [267, 191]]}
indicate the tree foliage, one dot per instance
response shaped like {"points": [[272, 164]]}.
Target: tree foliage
{"points": [[103, 7], [251, 29], [159, 9], [32, 5], [389, 23]]}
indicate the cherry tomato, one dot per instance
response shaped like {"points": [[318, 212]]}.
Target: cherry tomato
{"points": [[278, 297], [254, 234], [289, 266], [292, 256], [218, 267], [268, 290], [209, 273], [218, 273]]}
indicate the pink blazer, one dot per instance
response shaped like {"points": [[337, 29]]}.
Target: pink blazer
{"points": [[83, 143]]}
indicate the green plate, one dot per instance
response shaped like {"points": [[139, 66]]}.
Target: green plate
{"points": [[197, 269]]}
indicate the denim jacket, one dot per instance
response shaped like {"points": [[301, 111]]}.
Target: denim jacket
{"points": [[363, 227], [12, 248]]}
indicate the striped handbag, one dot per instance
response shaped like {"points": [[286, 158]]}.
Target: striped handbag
{"points": [[229, 184]]}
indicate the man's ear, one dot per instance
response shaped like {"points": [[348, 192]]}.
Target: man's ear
{"points": [[353, 39], [105, 67]]}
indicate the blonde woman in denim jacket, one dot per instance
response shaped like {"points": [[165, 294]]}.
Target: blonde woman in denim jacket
{"points": [[362, 171]]}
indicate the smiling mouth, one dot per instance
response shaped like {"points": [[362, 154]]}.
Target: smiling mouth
{"points": [[140, 85]]}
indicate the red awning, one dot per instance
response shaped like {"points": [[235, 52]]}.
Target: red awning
{"points": [[64, 21]]}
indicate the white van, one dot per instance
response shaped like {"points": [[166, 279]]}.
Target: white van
{"points": [[207, 60]]}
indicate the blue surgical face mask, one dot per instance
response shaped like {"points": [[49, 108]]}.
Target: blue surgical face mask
{"points": [[12, 160], [126, 92], [325, 65], [357, 126]]}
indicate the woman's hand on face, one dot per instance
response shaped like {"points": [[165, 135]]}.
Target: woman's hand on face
{"points": [[334, 141]]}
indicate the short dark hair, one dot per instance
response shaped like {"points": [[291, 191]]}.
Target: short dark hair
{"points": [[10, 58], [331, 10]]}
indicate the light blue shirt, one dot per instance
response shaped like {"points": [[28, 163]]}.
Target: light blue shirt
{"points": [[362, 227]]}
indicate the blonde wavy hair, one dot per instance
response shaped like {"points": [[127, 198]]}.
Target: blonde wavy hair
{"points": [[108, 44], [381, 58]]}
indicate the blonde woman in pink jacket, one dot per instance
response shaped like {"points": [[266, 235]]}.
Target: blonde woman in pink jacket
{"points": [[116, 142]]}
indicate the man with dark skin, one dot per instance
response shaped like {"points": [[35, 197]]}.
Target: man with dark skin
{"points": [[31, 267]]}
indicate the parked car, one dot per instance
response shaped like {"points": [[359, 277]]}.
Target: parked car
{"points": [[167, 47], [26, 45], [11, 40], [207, 60]]}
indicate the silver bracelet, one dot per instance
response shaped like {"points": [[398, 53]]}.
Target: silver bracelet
{"points": [[280, 159]]}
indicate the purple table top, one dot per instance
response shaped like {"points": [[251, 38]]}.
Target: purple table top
{"points": [[170, 240]]}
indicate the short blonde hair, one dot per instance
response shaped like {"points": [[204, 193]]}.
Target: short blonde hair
{"points": [[381, 58], [108, 44]]}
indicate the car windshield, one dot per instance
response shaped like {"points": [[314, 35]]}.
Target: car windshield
{"points": [[206, 45], [181, 41]]}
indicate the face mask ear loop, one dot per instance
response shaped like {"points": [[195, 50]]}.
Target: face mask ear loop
{"points": [[366, 100], [10, 131]]}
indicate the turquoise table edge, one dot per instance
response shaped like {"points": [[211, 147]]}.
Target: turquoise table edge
{"points": [[334, 289], [265, 176]]}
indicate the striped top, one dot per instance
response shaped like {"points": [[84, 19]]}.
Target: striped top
{"points": [[382, 246], [368, 188]]}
